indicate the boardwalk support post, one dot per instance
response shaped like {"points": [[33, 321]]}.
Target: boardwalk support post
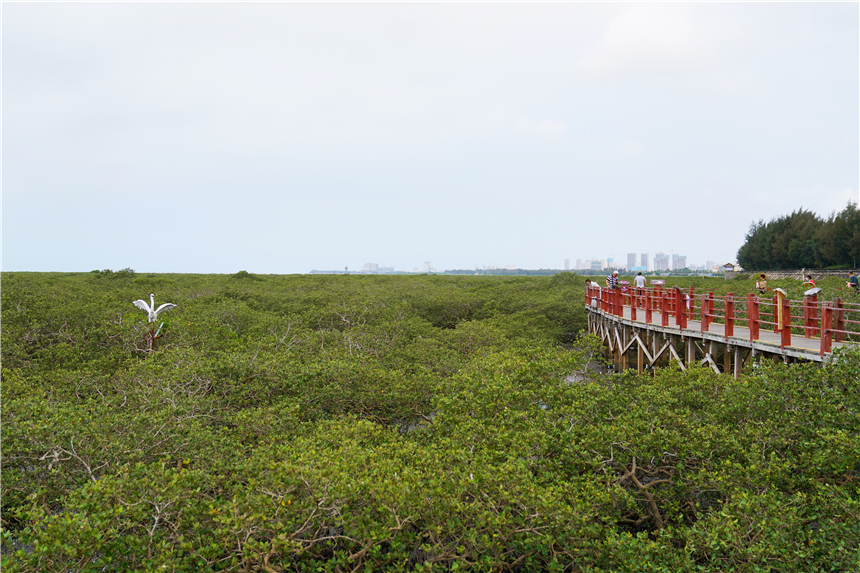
{"points": [[739, 363]]}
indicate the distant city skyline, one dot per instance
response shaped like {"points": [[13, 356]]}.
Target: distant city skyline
{"points": [[639, 262]]}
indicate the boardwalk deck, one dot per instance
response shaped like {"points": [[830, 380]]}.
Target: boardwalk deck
{"points": [[768, 342], [782, 329]]}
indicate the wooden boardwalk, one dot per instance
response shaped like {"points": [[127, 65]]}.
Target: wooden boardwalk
{"points": [[633, 342]]}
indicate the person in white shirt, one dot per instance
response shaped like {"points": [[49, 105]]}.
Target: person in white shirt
{"points": [[639, 281]]}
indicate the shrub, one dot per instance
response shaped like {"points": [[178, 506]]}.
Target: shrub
{"points": [[401, 423]]}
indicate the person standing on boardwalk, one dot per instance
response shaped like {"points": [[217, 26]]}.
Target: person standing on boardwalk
{"points": [[639, 282], [612, 280], [761, 284], [809, 281], [852, 282]]}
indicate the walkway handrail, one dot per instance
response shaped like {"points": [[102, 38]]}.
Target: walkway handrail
{"points": [[831, 321]]}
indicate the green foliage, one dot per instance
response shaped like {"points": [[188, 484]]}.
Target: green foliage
{"points": [[120, 274], [803, 240], [376, 423], [245, 275]]}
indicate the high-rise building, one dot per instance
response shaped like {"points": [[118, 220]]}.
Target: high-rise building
{"points": [[631, 261], [579, 264], [567, 264], [426, 267], [643, 260], [679, 262], [661, 262]]}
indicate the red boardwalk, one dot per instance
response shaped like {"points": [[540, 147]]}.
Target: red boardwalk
{"points": [[724, 332]]}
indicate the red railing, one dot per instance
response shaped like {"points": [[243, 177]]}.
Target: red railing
{"points": [[829, 321]]}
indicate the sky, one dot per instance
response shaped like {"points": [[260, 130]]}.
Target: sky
{"points": [[285, 137]]}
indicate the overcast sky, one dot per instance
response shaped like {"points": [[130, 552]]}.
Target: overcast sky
{"points": [[281, 138]]}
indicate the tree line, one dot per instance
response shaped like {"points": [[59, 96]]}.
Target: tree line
{"points": [[803, 240]]}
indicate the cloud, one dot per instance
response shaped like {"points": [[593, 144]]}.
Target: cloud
{"points": [[646, 38], [388, 92], [630, 149], [541, 130], [698, 48]]}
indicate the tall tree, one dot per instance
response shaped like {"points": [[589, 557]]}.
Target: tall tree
{"points": [[802, 239]]}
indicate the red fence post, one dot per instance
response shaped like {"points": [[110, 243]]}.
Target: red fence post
{"points": [[826, 328], [838, 319], [814, 316], [664, 309], [614, 293], [648, 307], [692, 307], [680, 309], [730, 314], [710, 318], [810, 316], [786, 323], [775, 316], [634, 302], [752, 310]]}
